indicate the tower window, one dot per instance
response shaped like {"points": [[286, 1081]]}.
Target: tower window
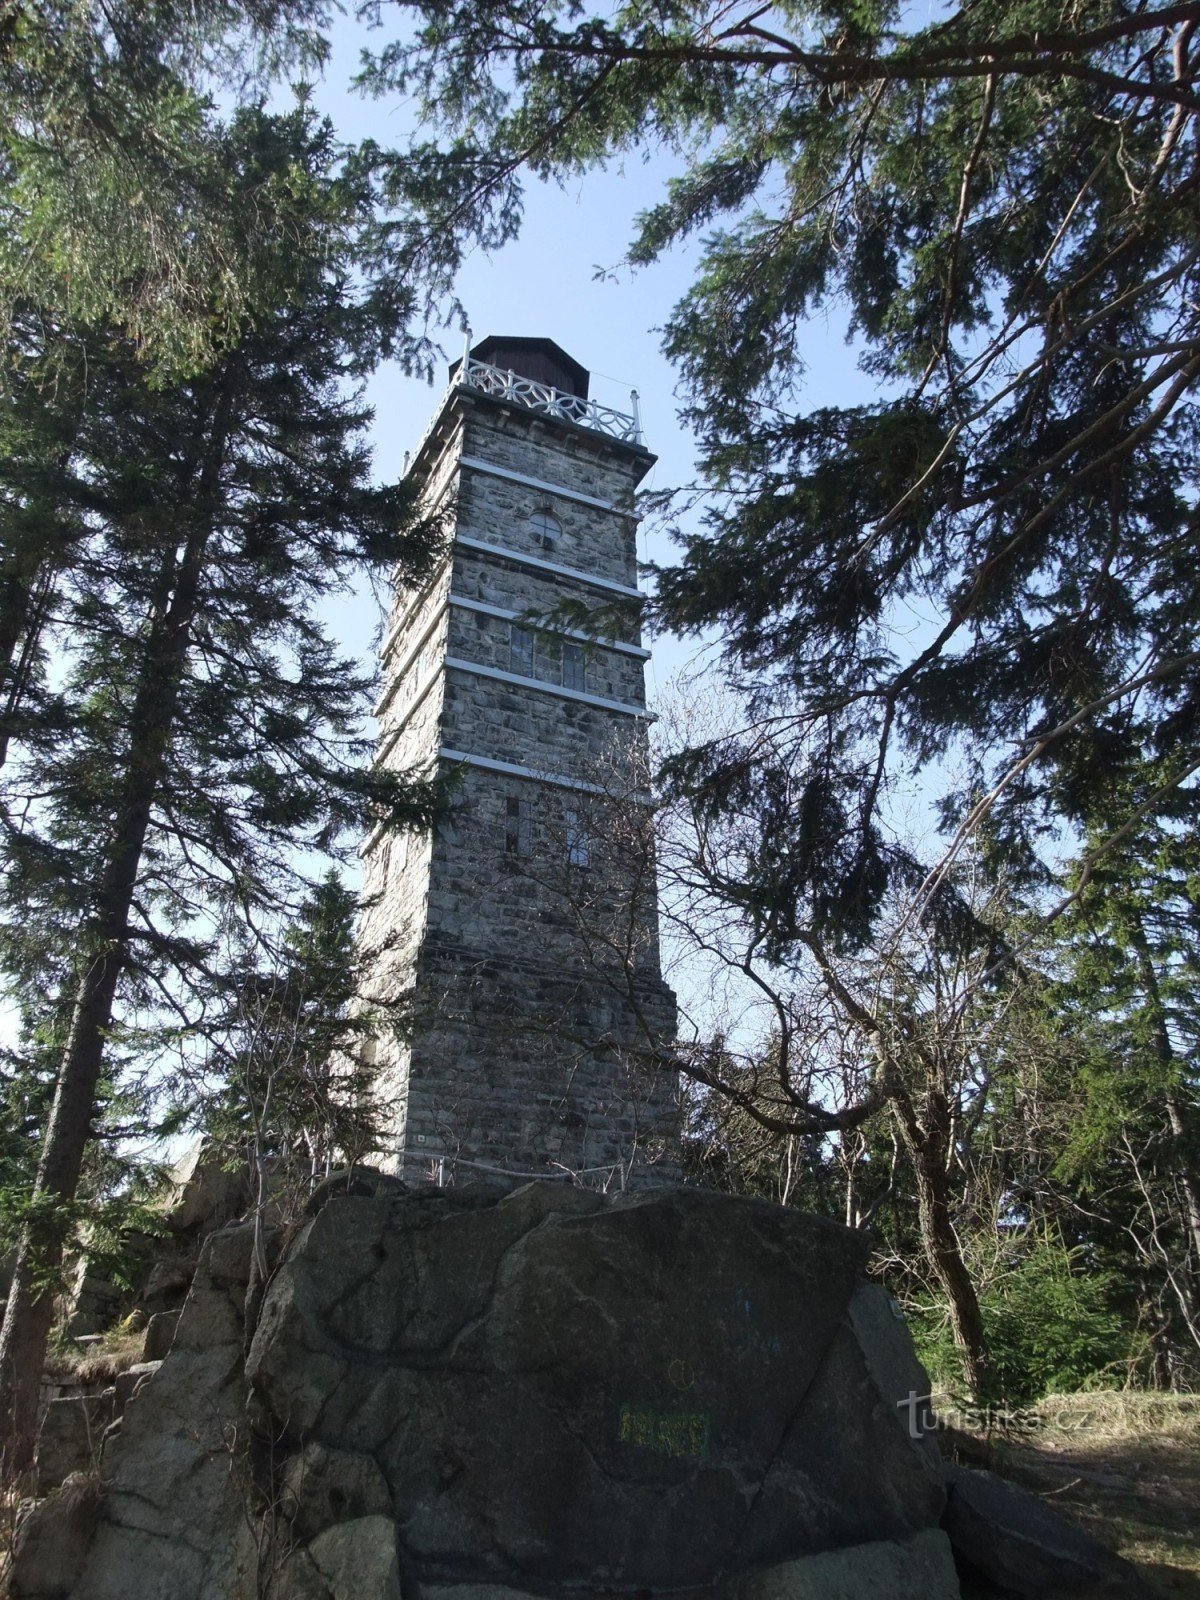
{"points": [[520, 651], [574, 666], [548, 664], [547, 529], [577, 841], [518, 826]]}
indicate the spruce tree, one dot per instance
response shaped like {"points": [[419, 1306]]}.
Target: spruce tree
{"points": [[289, 1084], [1130, 952], [996, 553], [116, 206], [211, 730]]}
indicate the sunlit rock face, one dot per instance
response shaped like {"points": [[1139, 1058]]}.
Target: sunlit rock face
{"points": [[542, 1390], [641, 1392]]}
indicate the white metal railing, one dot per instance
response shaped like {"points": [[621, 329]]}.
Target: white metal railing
{"points": [[553, 402], [504, 384]]}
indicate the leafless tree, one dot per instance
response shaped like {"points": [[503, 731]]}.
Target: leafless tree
{"points": [[801, 1041]]}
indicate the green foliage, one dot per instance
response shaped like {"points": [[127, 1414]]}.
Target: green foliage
{"points": [[291, 1086], [116, 203], [26, 1089], [97, 1225], [998, 198], [259, 462], [1051, 1328]]}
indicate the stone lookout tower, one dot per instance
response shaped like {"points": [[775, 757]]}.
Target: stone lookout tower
{"points": [[522, 936]]}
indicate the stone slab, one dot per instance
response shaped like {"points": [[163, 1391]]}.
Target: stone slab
{"points": [[918, 1568], [1018, 1543]]}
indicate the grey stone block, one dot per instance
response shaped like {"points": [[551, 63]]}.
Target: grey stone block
{"points": [[160, 1332], [130, 1381], [52, 1539], [1018, 1543], [358, 1560], [920, 1567], [70, 1434], [324, 1486], [902, 1383]]}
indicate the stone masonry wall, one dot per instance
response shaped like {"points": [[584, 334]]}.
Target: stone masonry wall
{"points": [[519, 588], [526, 1051], [488, 639], [593, 540]]}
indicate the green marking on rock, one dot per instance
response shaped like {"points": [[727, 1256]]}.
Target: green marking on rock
{"points": [[681, 1434]]}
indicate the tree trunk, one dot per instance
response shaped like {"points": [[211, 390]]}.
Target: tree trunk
{"points": [[14, 607], [926, 1139], [945, 1257], [24, 602], [1165, 1051], [1187, 1175], [30, 1308]]}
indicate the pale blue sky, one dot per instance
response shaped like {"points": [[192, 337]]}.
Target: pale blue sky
{"points": [[545, 284]]}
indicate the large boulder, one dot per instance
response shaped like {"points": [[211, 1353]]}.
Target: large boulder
{"points": [[1024, 1549], [160, 1330], [354, 1560], [179, 1500], [52, 1539], [920, 1567], [481, 1394], [647, 1391], [206, 1189]]}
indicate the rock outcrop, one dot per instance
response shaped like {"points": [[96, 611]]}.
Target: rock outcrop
{"points": [[179, 1499], [641, 1393], [1016, 1543], [473, 1394], [207, 1189]]}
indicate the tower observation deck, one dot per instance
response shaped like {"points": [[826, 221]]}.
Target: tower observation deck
{"points": [[520, 938]]}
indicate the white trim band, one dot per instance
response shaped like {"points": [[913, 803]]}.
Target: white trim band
{"points": [[511, 769], [507, 553], [506, 615], [397, 672], [601, 701], [416, 601], [388, 745], [490, 467]]}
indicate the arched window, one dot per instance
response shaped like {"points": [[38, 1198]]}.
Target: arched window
{"points": [[547, 529]]}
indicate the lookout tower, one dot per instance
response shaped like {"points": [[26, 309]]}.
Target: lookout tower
{"points": [[522, 936]]}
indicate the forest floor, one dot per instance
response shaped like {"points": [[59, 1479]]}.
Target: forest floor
{"points": [[1125, 1467]]}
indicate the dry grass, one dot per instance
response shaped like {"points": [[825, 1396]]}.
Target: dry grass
{"points": [[89, 1365], [1127, 1468], [1122, 1414]]}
